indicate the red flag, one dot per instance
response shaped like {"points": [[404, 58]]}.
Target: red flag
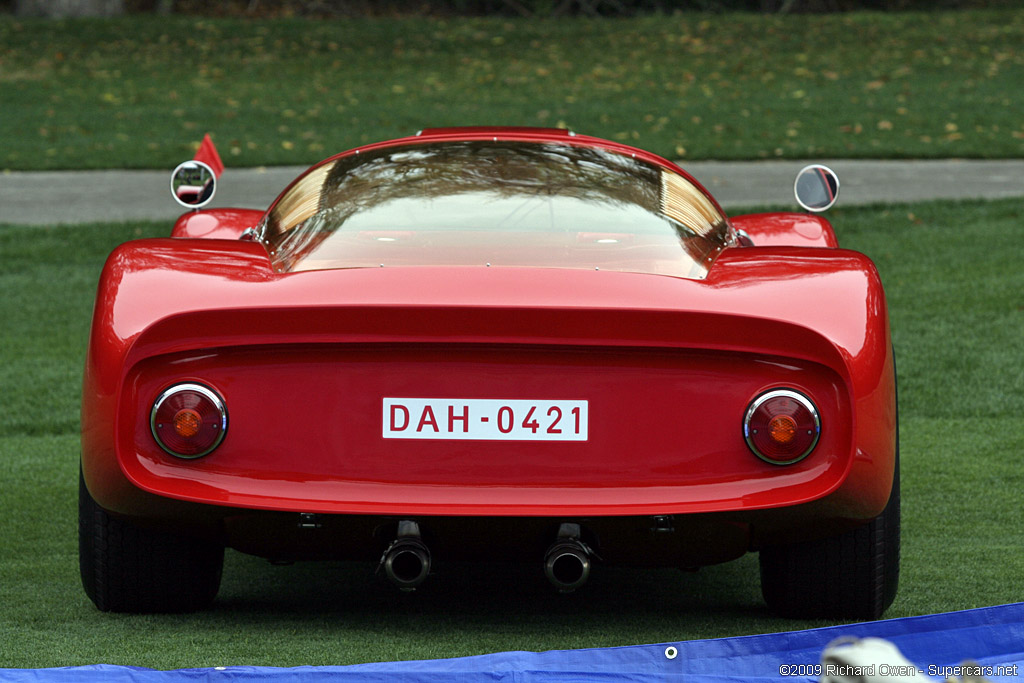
{"points": [[208, 155]]}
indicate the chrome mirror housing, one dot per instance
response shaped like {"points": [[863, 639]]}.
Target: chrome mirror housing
{"points": [[816, 188], [193, 184]]}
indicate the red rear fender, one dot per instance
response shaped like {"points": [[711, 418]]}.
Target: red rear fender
{"points": [[786, 229], [216, 223]]}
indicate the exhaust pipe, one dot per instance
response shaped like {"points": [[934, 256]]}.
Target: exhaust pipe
{"points": [[406, 562], [567, 560]]}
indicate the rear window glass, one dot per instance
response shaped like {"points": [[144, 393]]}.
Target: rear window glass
{"points": [[498, 204]]}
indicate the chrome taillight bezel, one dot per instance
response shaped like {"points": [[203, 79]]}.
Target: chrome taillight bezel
{"points": [[207, 393], [794, 395]]}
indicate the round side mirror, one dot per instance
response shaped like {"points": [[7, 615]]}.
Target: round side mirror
{"points": [[816, 188], [193, 184]]}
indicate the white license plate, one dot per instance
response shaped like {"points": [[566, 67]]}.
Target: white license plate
{"points": [[485, 419]]}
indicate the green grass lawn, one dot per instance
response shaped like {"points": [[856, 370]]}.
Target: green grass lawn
{"points": [[136, 92], [956, 294]]}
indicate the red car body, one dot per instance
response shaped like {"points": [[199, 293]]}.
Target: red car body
{"points": [[306, 362]]}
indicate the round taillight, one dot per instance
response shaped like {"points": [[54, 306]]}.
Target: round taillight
{"points": [[188, 420], [781, 426]]}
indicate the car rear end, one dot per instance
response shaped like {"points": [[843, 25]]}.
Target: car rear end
{"points": [[595, 374]]}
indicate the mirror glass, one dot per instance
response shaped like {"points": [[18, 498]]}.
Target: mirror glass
{"points": [[816, 188], [193, 184]]}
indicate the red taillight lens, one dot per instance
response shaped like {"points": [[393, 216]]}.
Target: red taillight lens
{"points": [[188, 420], [781, 426]]}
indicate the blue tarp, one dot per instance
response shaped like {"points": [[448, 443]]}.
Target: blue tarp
{"points": [[991, 636]]}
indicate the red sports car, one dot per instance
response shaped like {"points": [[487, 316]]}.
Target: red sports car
{"points": [[508, 340]]}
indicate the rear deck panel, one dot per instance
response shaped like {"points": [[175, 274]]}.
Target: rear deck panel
{"points": [[308, 427]]}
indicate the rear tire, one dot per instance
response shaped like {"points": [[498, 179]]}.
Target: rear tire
{"points": [[126, 568], [854, 575]]}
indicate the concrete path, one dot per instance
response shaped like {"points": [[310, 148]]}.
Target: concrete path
{"points": [[50, 197]]}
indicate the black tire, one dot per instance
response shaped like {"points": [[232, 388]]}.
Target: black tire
{"points": [[126, 568], [851, 576]]}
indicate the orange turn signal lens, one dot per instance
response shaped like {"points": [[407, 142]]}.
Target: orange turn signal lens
{"points": [[782, 429], [187, 423]]}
